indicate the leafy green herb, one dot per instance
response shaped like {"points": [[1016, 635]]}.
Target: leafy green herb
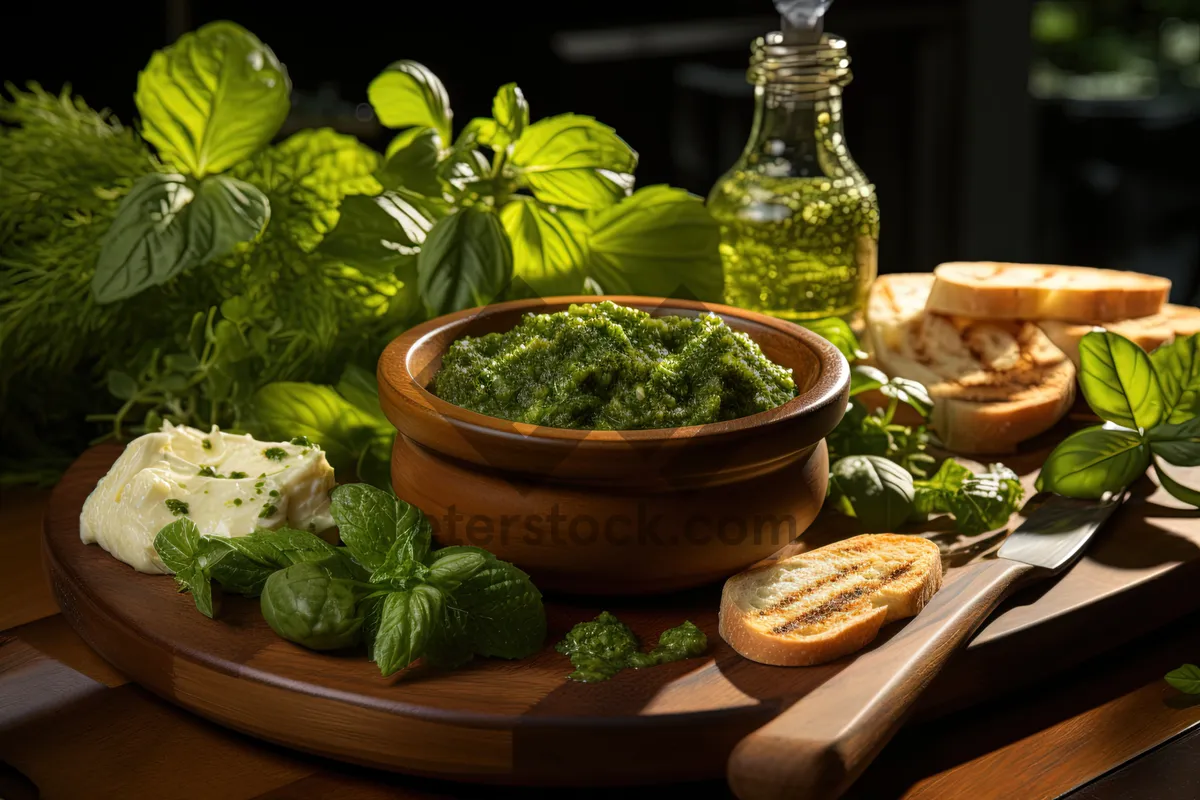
{"points": [[1149, 404], [185, 552], [874, 489], [268, 510], [1186, 679], [602, 647], [275, 453], [306, 604], [177, 507], [466, 261], [375, 525], [301, 441]]}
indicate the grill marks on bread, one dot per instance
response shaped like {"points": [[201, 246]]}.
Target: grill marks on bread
{"points": [[827, 602]]}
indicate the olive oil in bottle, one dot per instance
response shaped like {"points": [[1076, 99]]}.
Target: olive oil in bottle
{"points": [[799, 219]]}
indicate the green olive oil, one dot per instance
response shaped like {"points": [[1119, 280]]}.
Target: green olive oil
{"points": [[799, 219]]}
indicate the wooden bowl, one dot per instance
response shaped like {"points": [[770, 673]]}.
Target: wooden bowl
{"points": [[614, 512]]}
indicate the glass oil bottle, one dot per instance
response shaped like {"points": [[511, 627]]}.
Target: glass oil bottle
{"points": [[799, 219]]}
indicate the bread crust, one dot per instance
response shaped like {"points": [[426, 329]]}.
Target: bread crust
{"points": [[1147, 333], [845, 593]]}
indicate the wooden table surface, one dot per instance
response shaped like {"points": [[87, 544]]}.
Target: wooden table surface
{"points": [[71, 726]]}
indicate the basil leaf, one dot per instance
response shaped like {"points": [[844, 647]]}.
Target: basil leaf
{"points": [[839, 334], [184, 551], [933, 496], [505, 616], [415, 165], [547, 246], [1177, 444], [372, 523], [1118, 381], [1175, 488], [452, 566], [285, 409], [511, 112], [212, 99], [308, 605], [911, 393], [163, 227], [408, 93], [1093, 462], [466, 261], [245, 562], [380, 234], [659, 242], [573, 161], [864, 379], [1178, 368], [1186, 679], [878, 492], [408, 621], [985, 502]]}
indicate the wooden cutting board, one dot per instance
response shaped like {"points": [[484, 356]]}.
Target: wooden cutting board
{"points": [[523, 722]]}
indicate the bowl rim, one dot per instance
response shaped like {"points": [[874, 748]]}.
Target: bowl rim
{"points": [[832, 380]]}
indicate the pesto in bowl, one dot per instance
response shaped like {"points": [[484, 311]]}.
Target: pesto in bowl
{"points": [[601, 366]]}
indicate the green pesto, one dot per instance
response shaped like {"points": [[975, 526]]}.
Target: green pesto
{"points": [[602, 366], [275, 453], [267, 511], [602, 647], [177, 507]]}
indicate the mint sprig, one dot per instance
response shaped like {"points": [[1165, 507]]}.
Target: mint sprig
{"points": [[1149, 404]]}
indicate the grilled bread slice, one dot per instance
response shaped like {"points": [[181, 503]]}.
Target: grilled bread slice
{"points": [[1147, 332], [994, 383], [828, 602], [990, 290]]}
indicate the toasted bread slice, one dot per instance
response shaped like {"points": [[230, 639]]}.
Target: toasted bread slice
{"points": [[994, 383], [1147, 332], [828, 602], [988, 290]]}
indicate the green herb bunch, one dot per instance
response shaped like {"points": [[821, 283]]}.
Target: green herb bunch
{"points": [[880, 468], [385, 587], [1149, 404], [183, 271], [513, 208]]}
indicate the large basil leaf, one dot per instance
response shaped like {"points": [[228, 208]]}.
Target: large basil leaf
{"points": [[212, 99], [510, 111], [163, 227], [659, 242], [864, 378], [985, 502], [408, 623], [243, 563], [415, 165], [380, 234], [504, 612], [1091, 463], [467, 261], [547, 246], [285, 409], [408, 93], [574, 161], [876, 490], [1178, 368], [1118, 381], [186, 553], [933, 496]]}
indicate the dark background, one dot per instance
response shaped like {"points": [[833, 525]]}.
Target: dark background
{"points": [[1062, 131]]}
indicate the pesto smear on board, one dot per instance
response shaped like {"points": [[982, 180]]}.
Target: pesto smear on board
{"points": [[602, 647], [601, 366]]}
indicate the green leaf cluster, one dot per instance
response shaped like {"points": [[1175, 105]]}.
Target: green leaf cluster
{"points": [[384, 587], [514, 208], [1149, 404], [880, 468]]}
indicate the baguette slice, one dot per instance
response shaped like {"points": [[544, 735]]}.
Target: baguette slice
{"points": [[1147, 332], [994, 383], [988, 290], [823, 604]]}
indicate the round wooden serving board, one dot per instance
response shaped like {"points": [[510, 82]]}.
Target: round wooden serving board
{"points": [[523, 722]]}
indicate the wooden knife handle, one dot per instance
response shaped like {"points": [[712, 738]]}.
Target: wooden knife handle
{"points": [[815, 749]]}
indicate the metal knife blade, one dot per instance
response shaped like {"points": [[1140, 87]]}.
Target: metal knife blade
{"points": [[1055, 534]]}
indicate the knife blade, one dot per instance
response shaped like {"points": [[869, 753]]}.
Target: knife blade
{"points": [[1057, 532], [815, 749]]}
